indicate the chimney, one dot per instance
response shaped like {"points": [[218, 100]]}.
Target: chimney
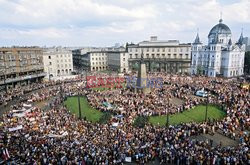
{"points": [[153, 38]]}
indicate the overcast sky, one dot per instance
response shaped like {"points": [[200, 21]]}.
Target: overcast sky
{"points": [[106, 22]]}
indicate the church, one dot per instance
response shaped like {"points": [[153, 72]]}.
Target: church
{"points": [[221, 57]]}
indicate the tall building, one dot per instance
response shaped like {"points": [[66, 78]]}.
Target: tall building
{"points": [[57, 62], [220, 56], [246, 41], [20, 66], [168, 56], [99, 59]]}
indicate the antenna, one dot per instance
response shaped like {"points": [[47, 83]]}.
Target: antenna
{"points": [[220, 17]]}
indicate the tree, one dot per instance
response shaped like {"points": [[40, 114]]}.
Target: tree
{"points": [[199, 70], [135, 66], [247, 63]]}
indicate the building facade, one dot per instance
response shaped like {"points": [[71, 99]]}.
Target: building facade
{"points": [[165, 56], [246, 41], [57, 62], [220, 57], [118, 60], [20, 66], [99, 59]]}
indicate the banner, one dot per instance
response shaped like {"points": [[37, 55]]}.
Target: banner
{"points": [[16, 128]]}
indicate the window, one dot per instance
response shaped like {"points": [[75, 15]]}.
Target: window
{"points": [[163, 49], [50, 63], [153, 49], [123, 59], [130, 55], [158, 50], [49, 57]]}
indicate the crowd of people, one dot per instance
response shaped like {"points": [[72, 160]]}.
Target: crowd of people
{"points": [[55, 136]]}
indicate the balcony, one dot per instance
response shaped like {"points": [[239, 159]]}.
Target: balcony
{"points": [[22, 78]]}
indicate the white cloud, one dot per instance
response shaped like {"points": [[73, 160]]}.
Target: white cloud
{"points": [[98, 22]]}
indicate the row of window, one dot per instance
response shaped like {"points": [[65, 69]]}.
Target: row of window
{"points": [[69, 60], [66, 65], [160, 56], [61, 72], [57, 56], [100, 63], [103, 58], [99, 68], [159, 49]]}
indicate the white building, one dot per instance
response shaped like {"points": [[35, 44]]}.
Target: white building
{"points": [[159, 55], [220, 56], [57, 61]]}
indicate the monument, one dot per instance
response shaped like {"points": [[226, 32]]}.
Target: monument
{"points": [[141, 84]]}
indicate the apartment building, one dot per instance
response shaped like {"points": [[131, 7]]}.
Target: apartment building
{"points": [[20, 66], [100, 59], [58, 61], [165, 56]]}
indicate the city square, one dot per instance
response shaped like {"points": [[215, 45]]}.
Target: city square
{"points": [[149, 102]]}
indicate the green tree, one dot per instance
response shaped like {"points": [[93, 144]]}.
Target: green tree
{"points": [[247, 63]]}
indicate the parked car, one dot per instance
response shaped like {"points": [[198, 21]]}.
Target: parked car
{"points": [[201, 93]]}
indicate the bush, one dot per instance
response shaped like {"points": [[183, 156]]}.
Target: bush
{"points": [[141, 121], [105, 118]]}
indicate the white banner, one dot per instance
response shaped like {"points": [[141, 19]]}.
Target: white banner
{"points": [[16, 128]]}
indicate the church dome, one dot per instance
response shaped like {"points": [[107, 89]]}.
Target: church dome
{"points": [[220, 28]]}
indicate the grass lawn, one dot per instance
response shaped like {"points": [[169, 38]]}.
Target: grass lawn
{"points": [[90, 113], [197, 114]]}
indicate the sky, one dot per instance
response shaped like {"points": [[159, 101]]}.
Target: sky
{"points": [[106, 22]]}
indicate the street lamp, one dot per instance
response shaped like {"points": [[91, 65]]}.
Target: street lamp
{"points": [[206, 109], [167, 118], [79, 104]]}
